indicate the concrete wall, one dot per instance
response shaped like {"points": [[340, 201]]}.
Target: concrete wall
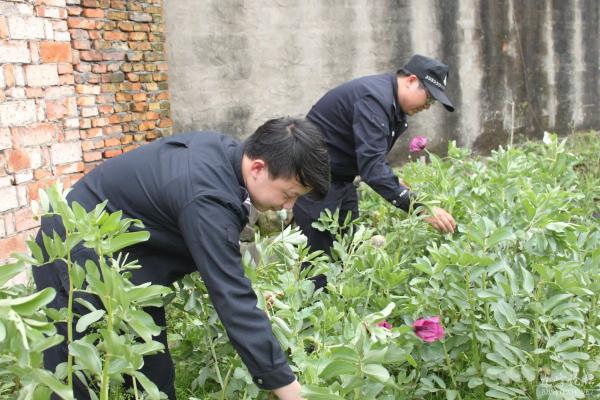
{"points": [[235, 63]]}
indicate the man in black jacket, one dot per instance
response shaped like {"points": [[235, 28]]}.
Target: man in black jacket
{"points": [[190, 190], [361, 120]]}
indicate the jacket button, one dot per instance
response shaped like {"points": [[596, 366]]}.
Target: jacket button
{"points": [[405, 124], [259, 381], [394, 202]]}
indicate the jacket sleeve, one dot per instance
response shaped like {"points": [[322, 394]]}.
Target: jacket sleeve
{"points": [[212, 231], [371, 129]]}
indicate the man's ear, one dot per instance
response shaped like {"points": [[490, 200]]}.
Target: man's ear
{"points": [[256, 167]]}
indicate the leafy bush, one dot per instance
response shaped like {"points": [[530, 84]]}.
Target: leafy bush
{"points": [[517, 288]]}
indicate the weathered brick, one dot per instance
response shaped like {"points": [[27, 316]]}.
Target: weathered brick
{"points": [[140, 27], [51, 12], [41, 75], [17, 113], [138, 107], [34, 92], [138, 36], [63, 153], [9, 223], [126, 26], [3, 28], [140, 17], [74, 11], [81, 23], [66, 80], [5, 139], [90, 55], [54, 3], [112, 142], [165, 123], [65, 69], [90, 3], [117, 15], [118, 4], [26, 28], [114, 35], [89, 111], [34, 135], [14, 52], [56, 92], [92, 156], [112, 153], [113, 129], [18, 160], [147, 125], [81, 44], [24, 220], [72, 168], [134, 6], [93, 13], [55, 52], [87, 89], [134, 56], [151, 115], [99, 122], [95, 35], [12, 244], [129, 148], [113, 56], [106, 109], [86, 100], [20, 178], [57, 109]]}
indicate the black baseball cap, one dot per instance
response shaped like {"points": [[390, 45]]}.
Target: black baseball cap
{"points": [[433, 74]]}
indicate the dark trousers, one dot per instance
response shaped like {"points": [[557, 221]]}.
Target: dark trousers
{"points": [[158, 368], [342, 196]]}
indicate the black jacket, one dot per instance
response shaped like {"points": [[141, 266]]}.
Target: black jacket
{"points": [[188, 191], [361, 121]]}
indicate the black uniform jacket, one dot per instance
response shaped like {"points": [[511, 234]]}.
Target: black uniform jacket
{"points": [[188, 190], [361, 121]]}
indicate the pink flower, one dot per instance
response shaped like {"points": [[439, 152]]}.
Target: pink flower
{"points": [[417, 144], [429, 329], [385, 324]]}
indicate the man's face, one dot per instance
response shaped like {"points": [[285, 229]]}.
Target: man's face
{"points": [[413, 97], [267, 193]]}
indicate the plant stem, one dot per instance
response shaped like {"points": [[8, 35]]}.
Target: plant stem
{"points": [[105, 382], [70, 321], [449, 365], [212, 349], [227, 376]]}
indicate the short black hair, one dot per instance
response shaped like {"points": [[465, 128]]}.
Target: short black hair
{"points": [[292, 147]]}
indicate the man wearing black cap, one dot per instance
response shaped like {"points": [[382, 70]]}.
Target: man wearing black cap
{"points": [[361, 120]]}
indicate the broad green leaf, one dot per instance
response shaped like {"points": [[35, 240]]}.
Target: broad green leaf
{"points": [[312, 392], [337, 368], [505, 310], [88, 319], [9, 271], [36, 251], [126, 239], [143, 324], [528, 281], [29, 304], [87, 356], [528, 372], [149, 387], [345, 353], [46, 378], [376, 371], [500, 235], [554, 301]]}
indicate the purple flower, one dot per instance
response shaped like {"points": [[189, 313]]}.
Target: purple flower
{"points": [[417, 144], [385, 324], [429, 329]]}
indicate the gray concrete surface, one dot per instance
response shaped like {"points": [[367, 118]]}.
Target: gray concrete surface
{"points": [[234, 63]]}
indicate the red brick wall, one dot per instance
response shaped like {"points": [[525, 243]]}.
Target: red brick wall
{"points": [[80, 81]]}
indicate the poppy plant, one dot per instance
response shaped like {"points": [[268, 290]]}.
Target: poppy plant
{"points": [[429, 329]]}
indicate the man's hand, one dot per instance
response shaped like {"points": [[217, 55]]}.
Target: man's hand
{"points": [[289, 392], [441, 220]]}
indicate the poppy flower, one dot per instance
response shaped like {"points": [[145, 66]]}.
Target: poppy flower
{"points": [[429, 329]]}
